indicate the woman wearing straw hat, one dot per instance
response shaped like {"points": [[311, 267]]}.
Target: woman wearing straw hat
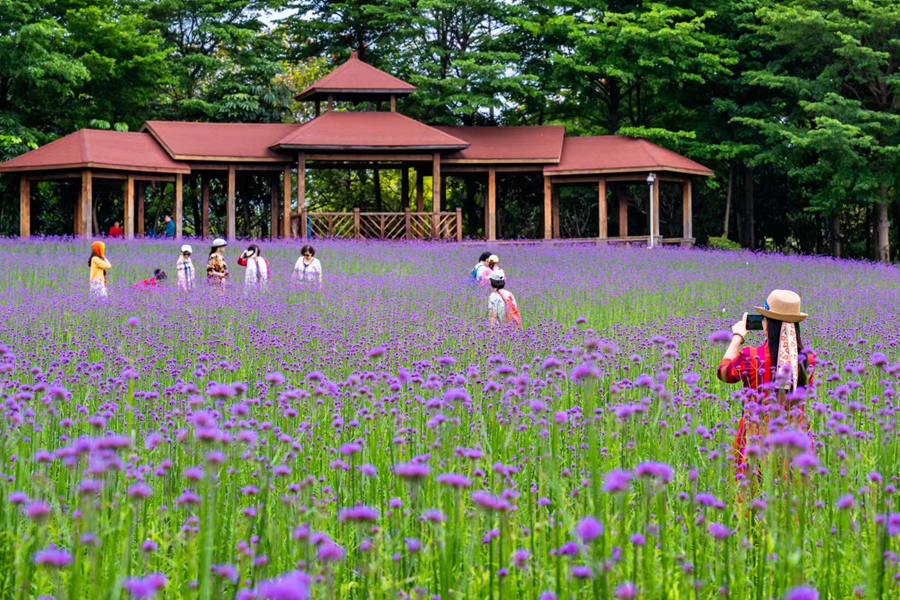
{"points": [[216, 267], [782, 365], [99, 265]]}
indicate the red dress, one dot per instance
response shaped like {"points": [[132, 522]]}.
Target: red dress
{"points": [[753, 368]]}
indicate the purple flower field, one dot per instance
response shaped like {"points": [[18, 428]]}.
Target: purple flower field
{"points": [[373, 438]]}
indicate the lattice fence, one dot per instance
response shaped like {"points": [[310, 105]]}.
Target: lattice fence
{"points": [[379, 226]]}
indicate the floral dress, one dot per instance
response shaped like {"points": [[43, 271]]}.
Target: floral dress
{"points": [[217, 270], [753, 367]]}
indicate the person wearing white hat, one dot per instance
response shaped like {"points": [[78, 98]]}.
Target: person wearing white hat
{"points": [[216, 268], [502, 306], [780, 365], [185, 269]]}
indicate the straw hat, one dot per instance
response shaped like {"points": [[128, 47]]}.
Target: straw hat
{"points": [[783, 305]]}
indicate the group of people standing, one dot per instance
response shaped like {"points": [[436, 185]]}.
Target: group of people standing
{"points": [[307, 269], [502, 306]]}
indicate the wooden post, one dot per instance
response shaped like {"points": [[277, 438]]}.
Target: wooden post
{"points": [[129, 207], [687, 210], [654, 226], [601, 207], [404, 187], [436, 183], [490, 209], [286, 201], [140, 208], [230, 221], [87, 200], [274, 208], [330, 102], [318, 108], [78, 219], [420, 191], [435, 193], [548, 208], [459, 224], [356, 223], [301, 192], [179, 205], [407, 223], [555, 199], [622, 194], [393, 103], [204, 205], [24, 207]]}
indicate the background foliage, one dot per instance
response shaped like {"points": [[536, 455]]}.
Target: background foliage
{"points": [[794, 104]]}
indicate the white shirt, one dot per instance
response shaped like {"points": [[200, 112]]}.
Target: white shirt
{"points": [[257, 270], [497, 305], [308, 272]]}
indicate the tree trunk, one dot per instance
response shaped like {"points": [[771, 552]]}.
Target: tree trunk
{"points": [[94, 217], [195, 205], [376, 180], [836, 235], [247, 224], [749, 220], [882, 229], [728, 200], [471, 207], [158, 209]]}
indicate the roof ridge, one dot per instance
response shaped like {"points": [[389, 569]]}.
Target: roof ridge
{"points": [[653, 159], [84, 145]]}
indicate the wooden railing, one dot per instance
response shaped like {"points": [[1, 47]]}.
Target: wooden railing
{"points": [[360, 225]]}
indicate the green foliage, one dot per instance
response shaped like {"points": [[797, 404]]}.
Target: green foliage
{"points": [[721, 243]]}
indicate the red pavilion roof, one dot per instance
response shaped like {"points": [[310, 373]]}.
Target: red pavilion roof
{"points": [[233, 142], [98, 149], [517, 144], [384, 131], [618, 153], [355, 79]]}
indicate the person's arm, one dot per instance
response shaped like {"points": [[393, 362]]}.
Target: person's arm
{"points": [[319, 270], [102, 263], [725, 372], [242, 261]]}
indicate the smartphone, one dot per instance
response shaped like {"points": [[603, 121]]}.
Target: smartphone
{"points": [[754, 322]]}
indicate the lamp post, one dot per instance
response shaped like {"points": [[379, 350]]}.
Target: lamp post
{"points": [[651, 178]]}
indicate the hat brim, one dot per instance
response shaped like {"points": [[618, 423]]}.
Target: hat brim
{"points": [[794, 318]]}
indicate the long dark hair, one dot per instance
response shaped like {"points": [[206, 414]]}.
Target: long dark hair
{"points": [[773, 338], [93, 254]]}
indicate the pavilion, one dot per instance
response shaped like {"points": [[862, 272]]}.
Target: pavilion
{"points": [[164, 151]]}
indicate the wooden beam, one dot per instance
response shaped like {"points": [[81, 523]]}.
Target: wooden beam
{"points": [[204, 205], [381, 157], [179, 206], [420, 191], [436, 183], [654, 226], [555, 200], [490, 208], [24, 207], [286, 203], [548, 208], [128, 205], [687, 210], [87, 199], [404, 187], [230, 209], [622, 195], [601, 208], [140, 187], [274, 206], [301, 193]]}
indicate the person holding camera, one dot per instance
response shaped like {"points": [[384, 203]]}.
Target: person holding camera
{"points": [[774, 371], [256, 274]]}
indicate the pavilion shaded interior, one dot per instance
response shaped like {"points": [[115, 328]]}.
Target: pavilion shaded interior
{"points": [[164, 151]]}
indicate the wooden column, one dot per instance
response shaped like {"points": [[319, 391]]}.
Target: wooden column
{"points": [[129, 208], [687, 210], [404, 187], [24, 207], [654, 226], [301, 193], [179, 206], [393, 103], [548, 208], [622, 194], [274, 207], [286, 201], [601, 208], [490, 206], [79, 221], [330, 103], [87, 200], [459, 224], [436, 183], [139, 189], [204, 205], [555, 199], [230, 220], [420, 191]]}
